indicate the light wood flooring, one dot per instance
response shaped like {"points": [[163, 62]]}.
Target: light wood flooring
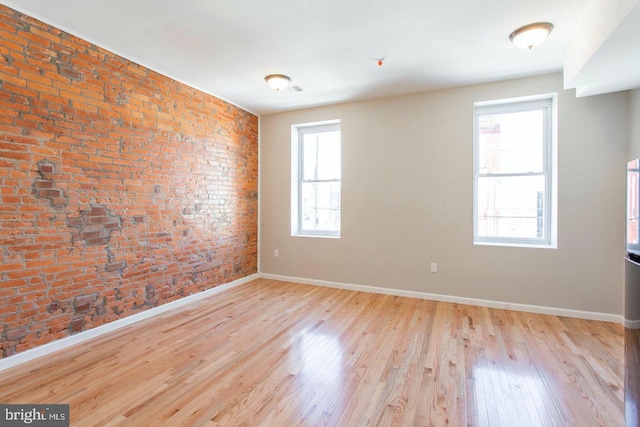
{"points": [[271, 353]]}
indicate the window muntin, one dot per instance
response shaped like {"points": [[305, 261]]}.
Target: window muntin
{"points": [[513, 173], [316, 201]]}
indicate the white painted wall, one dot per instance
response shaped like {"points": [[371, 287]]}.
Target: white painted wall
{"points": [[634, 121], [602, 55], [407, 200]]}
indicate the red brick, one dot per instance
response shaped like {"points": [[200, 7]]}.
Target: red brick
{"points": [[14, 155], [35, 77], [11, 267], [109, 204], [70, 73], [41, 87], [43, 184], [51, 35], [8, 35], [12, 283], [38, 263], [46, 168], [49, 193], [35, 38], [77, 325]]}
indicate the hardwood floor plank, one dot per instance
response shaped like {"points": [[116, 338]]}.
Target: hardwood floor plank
{"points": [[272, 353]]}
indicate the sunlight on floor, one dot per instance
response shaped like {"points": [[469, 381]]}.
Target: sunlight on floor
{"points": [[509, 397]]}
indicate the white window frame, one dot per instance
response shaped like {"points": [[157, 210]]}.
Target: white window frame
{"points": [[548, 103], [297, 133]]}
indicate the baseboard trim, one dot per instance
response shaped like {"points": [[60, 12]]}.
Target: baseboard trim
{"points": [[589, 315], [46, 349], [632, 324]]}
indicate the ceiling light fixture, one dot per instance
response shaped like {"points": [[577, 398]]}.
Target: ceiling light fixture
{"points": [[277, 81], [531, 35]]}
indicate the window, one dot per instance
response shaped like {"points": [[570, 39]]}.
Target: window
{"points": [[514, 172], [316, 179]]}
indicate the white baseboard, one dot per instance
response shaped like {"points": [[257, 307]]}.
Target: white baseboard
{"points": [[589, 315], [631, 324], [46, 349]]}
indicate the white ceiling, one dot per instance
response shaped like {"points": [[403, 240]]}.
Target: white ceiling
{"points": [[328, 47], [604, 55]]}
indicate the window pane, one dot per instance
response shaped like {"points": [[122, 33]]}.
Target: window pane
{"points": [[321, 153], [633, 186], [511, 207], [321, 206], [511, 142], [309, 156]]}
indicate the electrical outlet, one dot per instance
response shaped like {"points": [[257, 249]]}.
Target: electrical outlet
{"points": [[434, 267], [276, 253]]}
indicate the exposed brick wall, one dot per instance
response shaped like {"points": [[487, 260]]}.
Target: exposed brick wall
{"points": [[120, 188]]}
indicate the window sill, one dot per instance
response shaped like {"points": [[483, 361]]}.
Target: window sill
{"points": [[518, 245], [321, 236]]}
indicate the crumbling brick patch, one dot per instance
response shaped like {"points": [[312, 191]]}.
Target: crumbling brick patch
{"points": [[17, 334], [45, 186], [76, 325], [94, 226], [82, 303]]}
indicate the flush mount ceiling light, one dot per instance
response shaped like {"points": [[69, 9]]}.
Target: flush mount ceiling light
{"points": [[277, 81], [531, 35]]}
